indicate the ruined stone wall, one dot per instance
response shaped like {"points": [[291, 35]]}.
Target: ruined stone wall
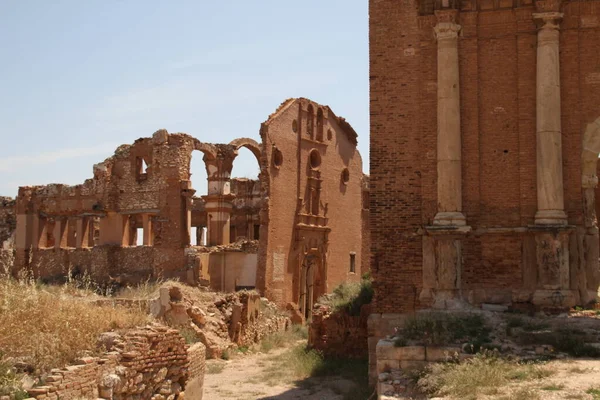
{"points": [[153, 362], [245, 216], [8, 221], [313, 165], [338, 334]]}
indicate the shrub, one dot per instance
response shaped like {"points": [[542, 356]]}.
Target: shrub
{"points": [[10, 383], [351, 296], [443, 328], [189, 335]]}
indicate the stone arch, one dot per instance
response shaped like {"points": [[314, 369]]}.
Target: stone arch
{"points": [[250, 144], [209, 150]]}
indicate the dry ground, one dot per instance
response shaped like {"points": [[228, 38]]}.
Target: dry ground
{"points": [[273, 376], [568, 379]]}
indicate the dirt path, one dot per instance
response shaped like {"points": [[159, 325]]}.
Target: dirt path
{"points": [[259, 376]]}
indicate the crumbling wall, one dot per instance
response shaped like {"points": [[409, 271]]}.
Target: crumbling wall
{"points": [[245, 216], [8, 221], [219, 321], [149, 363], [338, 334]]}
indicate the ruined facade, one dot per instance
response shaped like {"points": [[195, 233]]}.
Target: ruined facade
{"points": [[485, 134], [313, 178], [140, 217]]}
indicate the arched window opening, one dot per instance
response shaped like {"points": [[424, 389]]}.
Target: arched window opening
{"points": [[310, 123], [245, 185], [320, 125], [197, 211]]}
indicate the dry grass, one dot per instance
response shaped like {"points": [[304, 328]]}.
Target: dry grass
{"points": [[486, 374], [49, 327]]}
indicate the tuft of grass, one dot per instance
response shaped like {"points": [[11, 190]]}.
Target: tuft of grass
{"points": [[578, 370], [553, 387], [523, 394], [10, 383], [443, 328], [349, 297], [189, 335], [214, 368], [278, 340], [484, 374], [243, 349], [594, 392], [144, 290], [225, 355], [50, 328]]}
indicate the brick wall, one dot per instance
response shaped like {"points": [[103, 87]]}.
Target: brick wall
{"points": [[497, 61], [329, 231], [143, 363], [339, 334]]}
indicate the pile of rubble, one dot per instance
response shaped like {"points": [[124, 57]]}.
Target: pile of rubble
{"points": [[220, 321]]}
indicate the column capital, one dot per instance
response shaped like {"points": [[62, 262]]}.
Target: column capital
{"points": [[446, 31], [548, 20]]}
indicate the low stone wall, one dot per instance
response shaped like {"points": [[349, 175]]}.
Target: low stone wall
{"points": [[379, 327], [150, 363], [339, 334], [392, 360], [194, 388]]}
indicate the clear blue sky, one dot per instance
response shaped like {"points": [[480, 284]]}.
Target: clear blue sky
{"points": [[78, 78]]}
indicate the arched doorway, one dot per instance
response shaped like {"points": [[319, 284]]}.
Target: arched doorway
{"points": [[311, 285]]}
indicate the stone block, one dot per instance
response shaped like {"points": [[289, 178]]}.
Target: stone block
{"points": [[386, 350], [387, 365], [410, 364], [440, 353], [494, 307], [555, 298], [412, 353]]}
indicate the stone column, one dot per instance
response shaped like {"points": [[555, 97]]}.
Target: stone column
{"points": [[219, 201], [60, 232], [83, 232], [550, 193], [449, 183], [147, 225]]}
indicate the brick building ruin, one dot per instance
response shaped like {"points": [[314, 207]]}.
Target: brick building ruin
{"points": [[485, 134], [139, 217]]}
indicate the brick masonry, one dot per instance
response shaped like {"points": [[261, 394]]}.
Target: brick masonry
{"points": [[149, 363], [503, 257]]}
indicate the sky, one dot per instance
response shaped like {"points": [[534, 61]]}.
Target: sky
{"points": [[79, 78]]}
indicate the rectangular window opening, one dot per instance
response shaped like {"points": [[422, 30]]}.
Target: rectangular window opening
{"points": [[353, 262], [139, 240]]}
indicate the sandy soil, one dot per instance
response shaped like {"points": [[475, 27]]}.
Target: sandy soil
{"points": [[571, 380], [248, 377]]}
